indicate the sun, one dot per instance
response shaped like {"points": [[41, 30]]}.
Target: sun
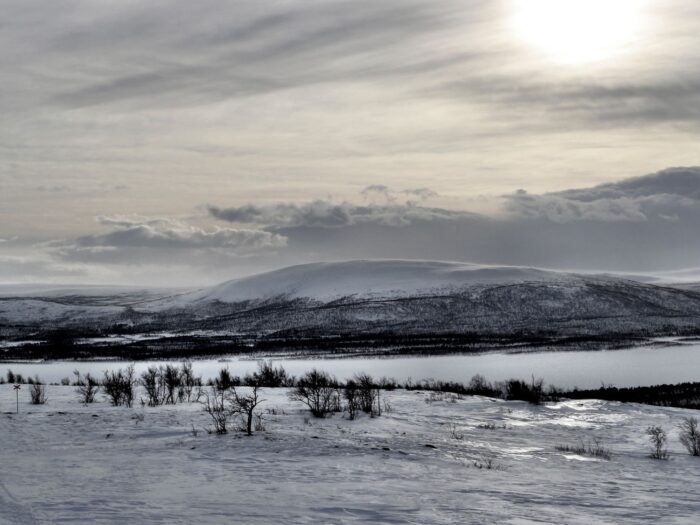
{"points": [[578, 31]]}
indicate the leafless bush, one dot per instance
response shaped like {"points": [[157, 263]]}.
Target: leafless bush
{"points": [[479, 386], [37, 392], [119, 386], [318, 391], [259, 423], [658, 440], [269, 376], [245, 405], [171, 382], [455, 433], [152, 383], [434, 397], [214, 403], [87, 387], [593, 449], [350, 393], [487, 461], [13, 378], [188, 382], [368, 393], [690, 435], [387, 406], [520, 390], [225, 380]]}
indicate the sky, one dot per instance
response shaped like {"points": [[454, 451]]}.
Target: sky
{"points": [[186, 143]]}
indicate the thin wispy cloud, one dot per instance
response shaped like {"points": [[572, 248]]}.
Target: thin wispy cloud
{"points": [[401, 127]]}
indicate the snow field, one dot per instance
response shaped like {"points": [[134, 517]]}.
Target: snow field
{"points": [[68, 463]]}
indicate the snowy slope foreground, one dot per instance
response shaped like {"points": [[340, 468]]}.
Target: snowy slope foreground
{"points": [[68, 463], [402, 297]]}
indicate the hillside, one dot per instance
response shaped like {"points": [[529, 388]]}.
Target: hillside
{"points": [[361, 297]]}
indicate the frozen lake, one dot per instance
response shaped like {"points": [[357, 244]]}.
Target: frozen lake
{"points": [[629, 367]]}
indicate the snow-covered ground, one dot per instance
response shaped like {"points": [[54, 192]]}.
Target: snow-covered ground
{"points": [[68, 463]]}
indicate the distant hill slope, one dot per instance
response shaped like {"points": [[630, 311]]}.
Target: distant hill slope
{"points": [[404, 297]]}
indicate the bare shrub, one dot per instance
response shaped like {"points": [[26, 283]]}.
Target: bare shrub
{"points": [[387, 406], [188, 382], [225, 380], [455, 433], [245, 405], [318, 391], [214, 403], [171, 383], [368, 393], [517, 389], [479, 386], [690, 435], [487, 461], [37, 392], [118, 386], [87, 387], [269, 376], [658, 440], [593, 449], [350, 393], [152, 383]]}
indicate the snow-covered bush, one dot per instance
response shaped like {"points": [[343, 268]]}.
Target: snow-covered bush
{"points": [[318, 391], [690, 435], [658, 440]]}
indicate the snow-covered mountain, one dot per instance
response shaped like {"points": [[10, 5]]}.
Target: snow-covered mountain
{"points": [[366, 279], [400, 297]]}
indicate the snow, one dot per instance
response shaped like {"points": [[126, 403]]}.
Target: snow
{"points": [[375, 296], [327, 281], [68, 463]]}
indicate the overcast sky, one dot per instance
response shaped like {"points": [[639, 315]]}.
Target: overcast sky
{"points": [[183, 142]]}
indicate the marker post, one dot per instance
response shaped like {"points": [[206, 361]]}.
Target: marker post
{"points": [[17, 388]]}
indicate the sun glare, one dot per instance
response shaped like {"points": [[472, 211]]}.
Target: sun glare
{"points": [[578, 31]]}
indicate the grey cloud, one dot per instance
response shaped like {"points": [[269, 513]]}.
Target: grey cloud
{"points": [[386, 193], [326, 214], [603, 102], [422, 193], [141, 239], [663, 195], [378, 189], [640, 224], [163, 233]]}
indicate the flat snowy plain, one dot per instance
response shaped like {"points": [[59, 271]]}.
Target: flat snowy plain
{"points": [[64, 462]]}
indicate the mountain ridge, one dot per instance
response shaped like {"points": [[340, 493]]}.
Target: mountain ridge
{"points": [[390, 296]]}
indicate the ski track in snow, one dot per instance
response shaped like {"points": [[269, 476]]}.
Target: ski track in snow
{"points": [[68, 463]]}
